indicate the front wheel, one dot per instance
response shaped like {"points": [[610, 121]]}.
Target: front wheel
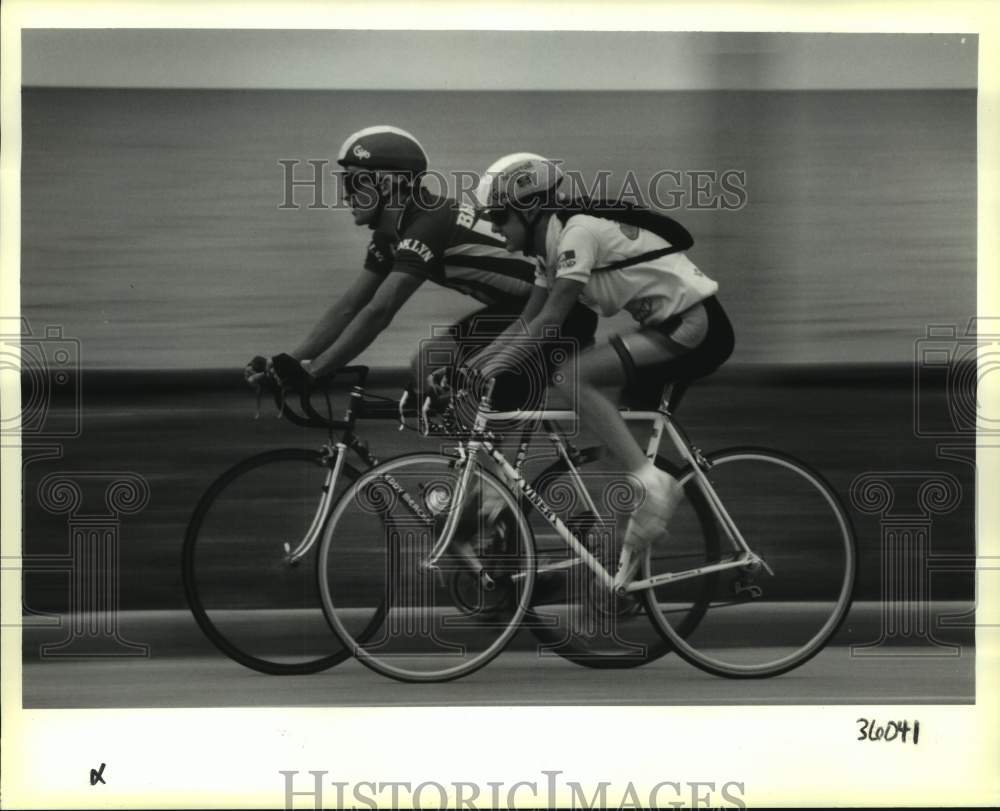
{"points": [[248, 598], [395, 612], [764, 618]]}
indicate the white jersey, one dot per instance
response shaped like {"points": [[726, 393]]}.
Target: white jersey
{"points": [[651, 291]]}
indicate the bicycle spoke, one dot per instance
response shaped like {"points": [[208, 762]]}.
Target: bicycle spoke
{"points": [[575, 616], [398, 615], [249, 598], [764, 617]]}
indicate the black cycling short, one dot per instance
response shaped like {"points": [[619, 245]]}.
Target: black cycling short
{"points": [[525, 388], [643, 387]]}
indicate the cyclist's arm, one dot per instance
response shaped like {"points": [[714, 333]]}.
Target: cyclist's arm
{"points": [[335, 320], [532, 308], [556, 305], [365, 327], [576, 258]]}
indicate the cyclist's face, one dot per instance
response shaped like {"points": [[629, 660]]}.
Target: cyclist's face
{"points": [[511, 227], [362, 194]]}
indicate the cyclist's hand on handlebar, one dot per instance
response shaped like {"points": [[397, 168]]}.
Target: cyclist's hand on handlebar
{"points": [[291, 374], [438, 383], [256, 370]]}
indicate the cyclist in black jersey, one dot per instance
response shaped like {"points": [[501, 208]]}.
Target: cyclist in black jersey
{"points": [[416, 237]]}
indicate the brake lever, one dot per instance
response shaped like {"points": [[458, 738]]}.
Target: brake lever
{"points": [[258, 391], [402, 405], [425, 421]]}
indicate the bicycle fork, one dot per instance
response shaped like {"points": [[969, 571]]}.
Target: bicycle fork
{"points": [[456, 504], [293, 556], [468, 462]]}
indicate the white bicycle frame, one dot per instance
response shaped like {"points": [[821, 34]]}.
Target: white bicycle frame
{"points": [[662, 421]]}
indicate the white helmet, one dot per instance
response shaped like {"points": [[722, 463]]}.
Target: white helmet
{"points": [[517, 180]]}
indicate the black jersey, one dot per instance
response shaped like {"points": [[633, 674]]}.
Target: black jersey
{"points": [[449, 244]]}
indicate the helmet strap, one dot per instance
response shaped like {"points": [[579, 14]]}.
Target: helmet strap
{"points": [[529, 228]]}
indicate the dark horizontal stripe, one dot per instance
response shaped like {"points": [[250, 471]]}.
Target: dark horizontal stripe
{"points": [[413, 269], [136, 383], [508, 268], [486, 293]]}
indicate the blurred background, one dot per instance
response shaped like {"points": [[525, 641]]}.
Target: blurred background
{"points": [[151, 181]]}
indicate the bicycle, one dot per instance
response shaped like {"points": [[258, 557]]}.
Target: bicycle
{"points": [[259, 521], [404, 521]]}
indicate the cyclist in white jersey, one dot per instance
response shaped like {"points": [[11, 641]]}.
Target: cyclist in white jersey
{"points": [[683, 331]]}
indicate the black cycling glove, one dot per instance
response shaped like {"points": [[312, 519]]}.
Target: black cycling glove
{"points": [[291, 375]]}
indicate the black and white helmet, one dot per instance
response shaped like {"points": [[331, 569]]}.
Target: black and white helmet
{"points": [[383, 148]]}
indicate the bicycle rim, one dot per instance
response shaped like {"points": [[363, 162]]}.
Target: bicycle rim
{"points": [[576, 617], [373, 553], [251, 603], [762, 623]]}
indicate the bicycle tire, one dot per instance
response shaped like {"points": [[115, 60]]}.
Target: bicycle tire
{"points": [[838, 535], [197, 536], [572, 647], [360, 518]]}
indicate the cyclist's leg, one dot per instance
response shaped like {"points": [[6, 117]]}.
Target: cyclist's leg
{"points": [[484, 511], [618, 365], [680, 348], [525, 387], [444, 349], [688, 346]]}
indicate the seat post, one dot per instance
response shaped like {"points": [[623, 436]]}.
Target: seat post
{"points": [[673, 391]]}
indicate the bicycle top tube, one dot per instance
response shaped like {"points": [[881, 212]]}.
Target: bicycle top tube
{"points": [[669, 399], [563, 416]]}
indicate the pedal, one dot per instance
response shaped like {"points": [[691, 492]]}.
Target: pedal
{"points": [[747, 589]]}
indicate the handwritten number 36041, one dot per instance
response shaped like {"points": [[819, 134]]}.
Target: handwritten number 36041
{"points": [[870, 730]]}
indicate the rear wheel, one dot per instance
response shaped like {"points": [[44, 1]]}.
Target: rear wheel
{"points": [[764, 618]]}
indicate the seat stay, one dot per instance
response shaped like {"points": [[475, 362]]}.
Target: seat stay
{"points": [[690, 456]]}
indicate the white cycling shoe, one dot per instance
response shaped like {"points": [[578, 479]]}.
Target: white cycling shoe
{"points": [[648, 525]]}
